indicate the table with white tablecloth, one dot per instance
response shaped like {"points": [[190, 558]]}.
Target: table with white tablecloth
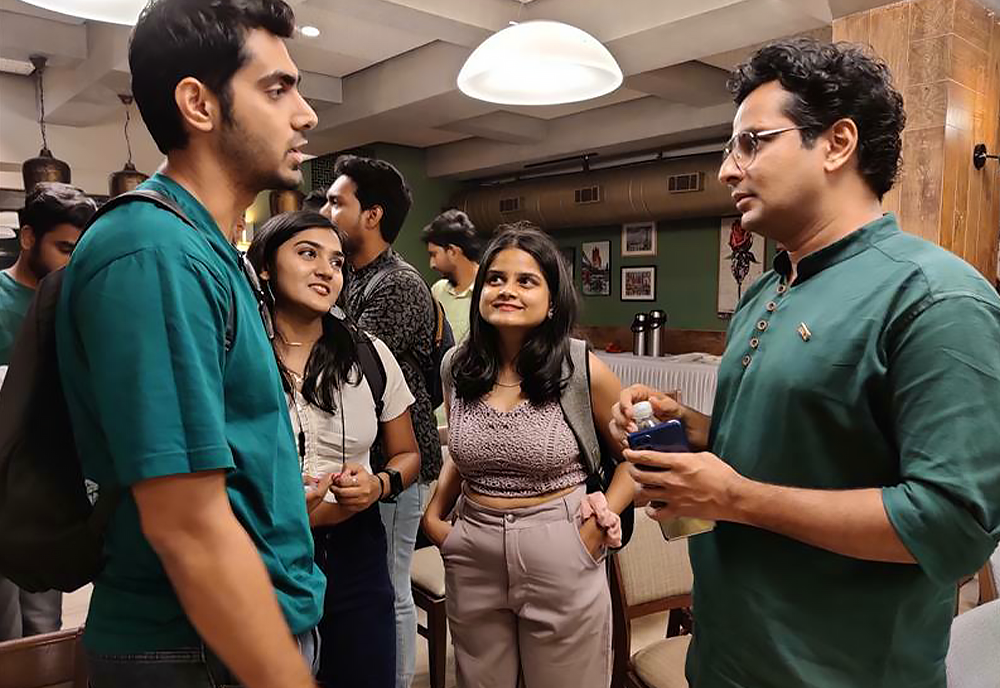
{"points": [[694, 375]]}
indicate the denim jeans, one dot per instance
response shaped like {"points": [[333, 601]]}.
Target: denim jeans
{"points": [[23, 614], [190, 667], [401, 521]]}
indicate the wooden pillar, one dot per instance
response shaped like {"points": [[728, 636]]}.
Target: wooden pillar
{"points": [[945, 60]]}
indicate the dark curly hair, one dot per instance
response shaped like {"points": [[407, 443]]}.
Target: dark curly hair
{"points": [[546, 347], [828, 82]]}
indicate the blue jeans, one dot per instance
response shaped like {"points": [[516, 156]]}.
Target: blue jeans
{"points": [[401, 521], [188, 667]]}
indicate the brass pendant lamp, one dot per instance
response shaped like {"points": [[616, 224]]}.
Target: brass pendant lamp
{"points": [[127, 178], [45, 167]]}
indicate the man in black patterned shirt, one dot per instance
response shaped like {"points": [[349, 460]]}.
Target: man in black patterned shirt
{"points": [[368, 201]]}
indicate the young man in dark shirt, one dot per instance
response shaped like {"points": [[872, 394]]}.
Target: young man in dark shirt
{"points": [[368, 201]]}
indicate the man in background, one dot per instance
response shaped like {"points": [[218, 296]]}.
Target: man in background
{"points": [[454, 248]]}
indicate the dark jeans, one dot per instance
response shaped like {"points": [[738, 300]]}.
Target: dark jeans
{"points": [[189, 667], [359, 623]]}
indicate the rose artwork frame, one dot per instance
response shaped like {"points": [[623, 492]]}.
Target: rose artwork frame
{"points": [[741, 262], [638, 283]]}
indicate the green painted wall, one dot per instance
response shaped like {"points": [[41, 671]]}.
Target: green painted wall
{"points": [[430, 197], [687, 274]]}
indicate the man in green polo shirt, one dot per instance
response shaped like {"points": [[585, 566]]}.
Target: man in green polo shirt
{"points": [[851, 459], [454, 248], [210, 578]]}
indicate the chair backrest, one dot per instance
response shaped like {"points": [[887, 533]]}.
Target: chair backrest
{"points": [[52, 660], [652, 568], [973, 660]]}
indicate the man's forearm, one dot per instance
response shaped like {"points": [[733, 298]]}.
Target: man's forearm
{"points": [[227, 593], [852, 523]]}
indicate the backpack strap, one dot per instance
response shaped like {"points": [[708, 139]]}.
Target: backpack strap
{"points": [[170, 205], [371, 367]]}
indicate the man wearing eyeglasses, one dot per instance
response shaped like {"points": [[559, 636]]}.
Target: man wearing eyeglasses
{"points": [[851, 456]]}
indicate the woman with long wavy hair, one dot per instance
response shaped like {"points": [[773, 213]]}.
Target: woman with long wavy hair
{"points": [[527, 593], [299, 259]]}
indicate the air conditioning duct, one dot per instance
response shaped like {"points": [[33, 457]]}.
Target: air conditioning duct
{"points": [[605, 197]]}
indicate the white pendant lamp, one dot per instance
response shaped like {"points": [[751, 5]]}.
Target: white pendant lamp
{"points": [[111, 11], [539, 63]]}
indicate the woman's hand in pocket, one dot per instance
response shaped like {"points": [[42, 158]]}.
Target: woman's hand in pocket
{"points": [[592, 537], [436, 530]]}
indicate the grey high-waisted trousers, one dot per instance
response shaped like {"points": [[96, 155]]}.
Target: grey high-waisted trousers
{"points": [[525, 596]]}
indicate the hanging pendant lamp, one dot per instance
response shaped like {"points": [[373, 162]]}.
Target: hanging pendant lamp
{"points": [[539, 62], [45, 167], [127, 178]]}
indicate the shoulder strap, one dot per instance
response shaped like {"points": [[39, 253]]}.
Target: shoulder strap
{"points": [[377, 280], [166, 203], [371, 367], [446, 379], [577, 405]]}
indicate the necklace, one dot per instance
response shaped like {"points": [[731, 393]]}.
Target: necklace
{"points": [[508, 384], [286, 342]]}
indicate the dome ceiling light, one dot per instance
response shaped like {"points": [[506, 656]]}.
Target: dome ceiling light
{"points": [[539, 62], [111, 11]]}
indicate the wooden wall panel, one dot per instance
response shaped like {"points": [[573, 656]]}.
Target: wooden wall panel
{"points": [[926, 105], [888, 36], [854, 28], [972, 22], [967, 63], [929, 60], [931, 18], [955, 194], [920, 205]]}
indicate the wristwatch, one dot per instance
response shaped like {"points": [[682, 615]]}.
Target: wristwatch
{"points": [[395, 484]]}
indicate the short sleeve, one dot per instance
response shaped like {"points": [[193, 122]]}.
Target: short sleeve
{"points": [[944, 375], [397, 397], [151, 326]]}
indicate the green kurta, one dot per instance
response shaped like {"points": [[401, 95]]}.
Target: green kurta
{"points": [[879, 367], [153, 392], [14, 301]]}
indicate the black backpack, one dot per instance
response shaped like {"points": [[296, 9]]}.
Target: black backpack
{"points": [[444, 338], [51, 537]]}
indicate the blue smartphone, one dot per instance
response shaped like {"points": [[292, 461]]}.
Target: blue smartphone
{"points": [[668, 436]]}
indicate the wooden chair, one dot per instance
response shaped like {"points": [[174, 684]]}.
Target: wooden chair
{"points": [[648, 576], [51, 660], [427, 583]]}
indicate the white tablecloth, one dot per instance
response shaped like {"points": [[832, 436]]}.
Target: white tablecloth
{"points": [[695, 379]]}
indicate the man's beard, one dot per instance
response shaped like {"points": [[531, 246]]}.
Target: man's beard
{"points": [[35, 264], [243, 153]]}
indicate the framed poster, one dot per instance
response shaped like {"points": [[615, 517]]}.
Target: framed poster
{"points": [[569, 255], [741, 262], [639, 284], [595, 268], [639, 239]]}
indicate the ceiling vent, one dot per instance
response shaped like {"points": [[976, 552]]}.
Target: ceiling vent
{"points": [[685, 183], [510, 205], [588, 194]]}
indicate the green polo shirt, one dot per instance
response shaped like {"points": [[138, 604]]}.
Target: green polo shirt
{"points": [[456, 307], [14, 301], [879, 367], [153, 392]]}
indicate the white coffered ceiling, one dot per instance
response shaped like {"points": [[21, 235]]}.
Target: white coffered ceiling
{"points": [[385, 70]]}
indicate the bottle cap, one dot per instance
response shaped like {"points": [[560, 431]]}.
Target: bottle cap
{"points": [[642, 411]]}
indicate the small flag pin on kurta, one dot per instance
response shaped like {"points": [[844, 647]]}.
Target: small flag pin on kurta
{"points": [[804, 332]]}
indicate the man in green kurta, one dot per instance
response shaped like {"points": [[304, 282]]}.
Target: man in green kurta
{"points": [[852, 458]]}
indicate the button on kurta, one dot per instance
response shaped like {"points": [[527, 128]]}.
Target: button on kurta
{"points": [[771, 306], [746, 360], [754, 343], [761, 325]]}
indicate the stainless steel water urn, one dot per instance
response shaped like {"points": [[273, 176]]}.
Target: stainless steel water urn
{"points": [[656, 333], [639, 334]]}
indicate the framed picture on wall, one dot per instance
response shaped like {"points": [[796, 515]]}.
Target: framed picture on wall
{"points": [[569, 255], [639, 239], [741, 261], [639, 284], [595, 268]]}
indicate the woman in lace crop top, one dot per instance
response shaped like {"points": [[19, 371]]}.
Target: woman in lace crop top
{"points": [[299, 260], [515, 483]]}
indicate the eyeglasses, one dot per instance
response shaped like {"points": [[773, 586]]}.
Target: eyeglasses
{"points": [[258, 293], [743, 145]]}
